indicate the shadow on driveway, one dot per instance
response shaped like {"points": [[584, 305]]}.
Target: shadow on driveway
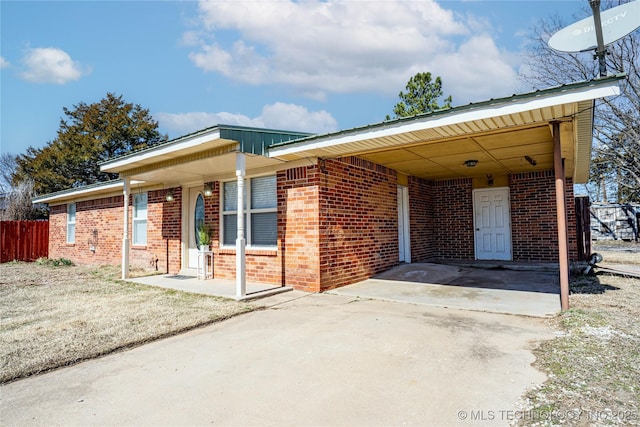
{"points": [[510, 290]]}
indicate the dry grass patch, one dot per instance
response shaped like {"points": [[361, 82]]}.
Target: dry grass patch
{"points": [[594, 364], [56, 316]]}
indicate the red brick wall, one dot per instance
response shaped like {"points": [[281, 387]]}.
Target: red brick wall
{"points": [[356, 203], [57, 232], [421, 219], [358, 220], [534, 220], [104, 215], [164, 231], [453, 219], [299, 227]]}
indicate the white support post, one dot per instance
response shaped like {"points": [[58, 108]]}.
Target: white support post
{"points": [[125, 232], [241, 284]]}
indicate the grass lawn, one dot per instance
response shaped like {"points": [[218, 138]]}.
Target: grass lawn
{"points": [[54, 316], [593, 365]]}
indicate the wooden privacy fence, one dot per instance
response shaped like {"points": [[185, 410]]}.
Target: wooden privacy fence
{"points": [[23, 240]]}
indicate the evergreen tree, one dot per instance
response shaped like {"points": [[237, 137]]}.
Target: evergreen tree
{"points": [[88, 134], [421, 96]]}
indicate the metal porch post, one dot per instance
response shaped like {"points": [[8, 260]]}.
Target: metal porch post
{"points": [[561, 212]]}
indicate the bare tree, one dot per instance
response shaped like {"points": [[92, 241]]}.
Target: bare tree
{"points": [[8, 167], [616, 157], [18, 204]]}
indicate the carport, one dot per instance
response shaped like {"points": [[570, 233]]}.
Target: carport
{"points": [[509, 288], [481, 158]]}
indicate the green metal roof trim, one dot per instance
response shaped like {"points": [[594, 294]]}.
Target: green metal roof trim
{"points": [[256, 141], [471, 106], [252, 140]]}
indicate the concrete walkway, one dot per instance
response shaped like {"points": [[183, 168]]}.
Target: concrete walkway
{"points": [[308, 359], [215, 287]]}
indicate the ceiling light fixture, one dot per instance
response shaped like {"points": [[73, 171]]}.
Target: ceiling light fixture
{"points": [[470, 163]]}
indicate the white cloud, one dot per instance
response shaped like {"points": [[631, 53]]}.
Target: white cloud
{"points": [[51, 65], [4, 63], [274, 116], [479, 69], [319, 47]]}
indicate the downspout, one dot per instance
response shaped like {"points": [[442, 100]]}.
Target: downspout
{"points": [[241, 284], [561, 212], [125, 232]]}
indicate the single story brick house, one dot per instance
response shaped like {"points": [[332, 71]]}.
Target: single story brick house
{"points": [[485, 181]]}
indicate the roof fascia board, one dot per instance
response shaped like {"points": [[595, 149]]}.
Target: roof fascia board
{"points": [[187, 142], [70, 194], [506, 107], [87, 190]]}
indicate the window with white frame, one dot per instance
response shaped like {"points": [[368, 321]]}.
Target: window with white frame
{"points": [[71, 223], [140, 219], [261, 214]]}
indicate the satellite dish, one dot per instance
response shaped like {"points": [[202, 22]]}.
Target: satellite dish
{"points": [[617, 22]]}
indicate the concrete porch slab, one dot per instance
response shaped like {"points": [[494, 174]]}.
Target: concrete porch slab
{"points": [[215, 287], [520, 292]]}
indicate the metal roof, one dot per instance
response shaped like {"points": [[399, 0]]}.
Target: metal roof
{"points": [[493, 102]]}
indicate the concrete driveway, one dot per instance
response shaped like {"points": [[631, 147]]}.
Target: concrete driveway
{"points": [[522, 289], [307, 359]]}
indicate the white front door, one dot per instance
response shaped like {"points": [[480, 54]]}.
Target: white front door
{"points": [[492, 222], [404, 247], [195, 218]]}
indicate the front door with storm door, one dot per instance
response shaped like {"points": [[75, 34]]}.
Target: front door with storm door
{"points": [[195, 219], [492, 223]]}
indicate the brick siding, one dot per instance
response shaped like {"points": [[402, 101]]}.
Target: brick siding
{"points": [[533, 217], [453, 219], [299, 227], [421, 220], [337, 224], [99, 225], [358, 220]]}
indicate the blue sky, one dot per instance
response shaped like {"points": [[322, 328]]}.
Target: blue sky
{"points": [[316, 66]]}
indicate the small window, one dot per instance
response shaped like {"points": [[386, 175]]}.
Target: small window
{"points": [[140, 219], [261, 216], [71, 223]]}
